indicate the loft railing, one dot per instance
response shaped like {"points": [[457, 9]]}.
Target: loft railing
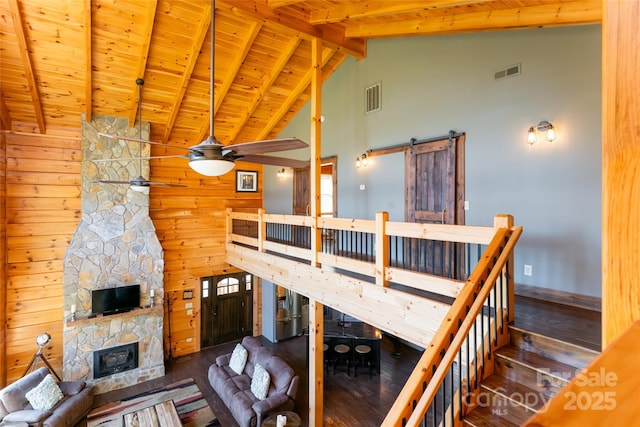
{"points": [[467, 266]]}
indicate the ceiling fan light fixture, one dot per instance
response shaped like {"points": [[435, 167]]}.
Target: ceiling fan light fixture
{"points": [[211, 167]]}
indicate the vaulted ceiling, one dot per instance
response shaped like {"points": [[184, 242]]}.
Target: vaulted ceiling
{"points": [[64, 58]]}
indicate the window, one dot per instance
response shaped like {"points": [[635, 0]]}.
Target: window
{"points": [[229, 285], [326, 195], [205, 288], [248, 282]]}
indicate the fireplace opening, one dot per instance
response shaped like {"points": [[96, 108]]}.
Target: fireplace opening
{"points": [[115, 359]]}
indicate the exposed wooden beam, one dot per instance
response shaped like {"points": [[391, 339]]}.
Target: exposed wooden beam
{"points": [[620, 168], [347, 10], [4, 114], [196, 46], [250, 36], [88, 95], [548, 15], [146, 31], [331, 35], [277, 68], [327, 70], [316, 372], [26, 61], [293, 97]]}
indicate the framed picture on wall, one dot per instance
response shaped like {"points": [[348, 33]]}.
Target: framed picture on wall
{"points": [[246, 181]]}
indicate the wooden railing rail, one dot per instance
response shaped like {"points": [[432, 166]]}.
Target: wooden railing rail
{"points": [[375, 260], [468, 310]]}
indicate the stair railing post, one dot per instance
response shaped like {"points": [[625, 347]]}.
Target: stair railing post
{"points": [[506, 221], [382, 248], [262, 230]]}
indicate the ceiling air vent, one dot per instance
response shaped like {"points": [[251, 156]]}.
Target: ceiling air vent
{"points": [[510, 71], [372, 98]]}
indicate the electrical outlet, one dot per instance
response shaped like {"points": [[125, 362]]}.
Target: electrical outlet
{"points": [[466, 205], [189, 312], [188, 305], [362, 186], [189, 339], [528, 270]]}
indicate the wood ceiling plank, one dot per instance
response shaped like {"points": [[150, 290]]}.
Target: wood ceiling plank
{"points": [[546, 15], [332, 36], [28, 69], [250, 36], [88, 99], [147, 29], [4, 114], [198, 41], [351, 10], [276, 69]]}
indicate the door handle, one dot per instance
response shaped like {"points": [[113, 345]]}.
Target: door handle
{"points": [[215, 310]]}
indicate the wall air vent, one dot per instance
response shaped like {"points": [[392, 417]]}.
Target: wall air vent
{"points": [[510, 71], [373, 98]]}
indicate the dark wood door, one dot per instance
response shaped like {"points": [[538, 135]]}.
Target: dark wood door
{"points": [[301, 191], [227, 308], [434, 186]]}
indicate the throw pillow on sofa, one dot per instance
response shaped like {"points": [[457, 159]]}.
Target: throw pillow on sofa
{"points": [[238, 359], [260, 382], [45, 395]]}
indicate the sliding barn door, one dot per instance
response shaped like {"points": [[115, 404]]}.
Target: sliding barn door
{"points": [[434, 184]]}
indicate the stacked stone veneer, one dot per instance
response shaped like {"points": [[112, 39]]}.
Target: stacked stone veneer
{"points": [[115, 244]]}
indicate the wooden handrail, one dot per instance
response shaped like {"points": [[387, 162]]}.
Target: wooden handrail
{"points": [[441, 232], [487, 275]]}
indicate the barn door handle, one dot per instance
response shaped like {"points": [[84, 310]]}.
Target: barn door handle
{"points": [[443, 212]]}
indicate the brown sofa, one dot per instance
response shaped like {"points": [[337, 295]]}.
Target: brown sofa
{"points": [[74, 406], [235, 390]]}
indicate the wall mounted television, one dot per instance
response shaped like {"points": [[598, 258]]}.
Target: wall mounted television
{"points": [[115, 300]]}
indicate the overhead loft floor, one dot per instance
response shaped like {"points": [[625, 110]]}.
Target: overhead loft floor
{"points": [[411, 317]]}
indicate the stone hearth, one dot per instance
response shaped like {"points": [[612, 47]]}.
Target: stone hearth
{"points": [[115, 245]]}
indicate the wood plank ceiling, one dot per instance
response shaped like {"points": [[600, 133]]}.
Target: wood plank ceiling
{"points": [[64, 58]]}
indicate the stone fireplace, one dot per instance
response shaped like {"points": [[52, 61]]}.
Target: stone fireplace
{"points": [[115, 245]]}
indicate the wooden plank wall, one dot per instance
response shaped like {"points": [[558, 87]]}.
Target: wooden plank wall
{"points": [[3, 256], [43, 211], [190, 223], [43, 200]]}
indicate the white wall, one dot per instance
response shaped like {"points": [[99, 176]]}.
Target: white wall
{"points": [[431, 85]]}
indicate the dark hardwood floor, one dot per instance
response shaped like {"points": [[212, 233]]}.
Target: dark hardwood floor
{"points": [[363, 401]]}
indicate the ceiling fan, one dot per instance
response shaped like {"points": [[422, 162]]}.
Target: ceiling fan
{"points": [[212, 158], [138, 184]]}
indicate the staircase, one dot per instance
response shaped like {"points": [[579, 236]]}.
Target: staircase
{"points": [[528, 372]]}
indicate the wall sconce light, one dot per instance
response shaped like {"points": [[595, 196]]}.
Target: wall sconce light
{"points": [[281, 173], [362, 160], [543, 126]]}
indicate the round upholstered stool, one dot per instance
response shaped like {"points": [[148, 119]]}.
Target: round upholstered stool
{"points": [[342, 354], [363, 354]]}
